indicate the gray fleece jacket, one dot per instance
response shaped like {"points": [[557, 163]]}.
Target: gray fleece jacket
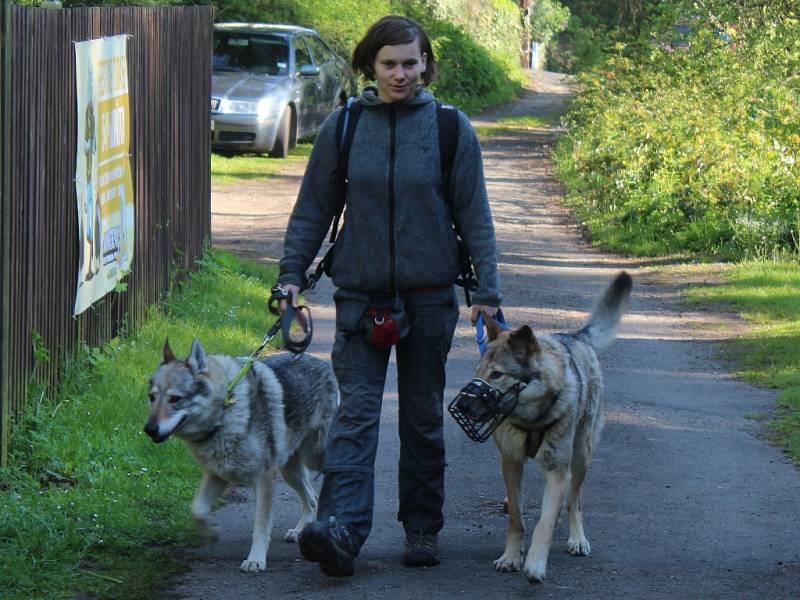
{"points": [[396, 232]]}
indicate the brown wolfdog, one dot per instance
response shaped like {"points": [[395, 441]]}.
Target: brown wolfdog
{"points": [[557, 420]]}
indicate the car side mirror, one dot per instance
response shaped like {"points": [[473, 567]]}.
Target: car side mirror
{"points": [[308, 71]]}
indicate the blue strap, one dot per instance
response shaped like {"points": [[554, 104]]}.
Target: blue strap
{"points": [[480, 329]]}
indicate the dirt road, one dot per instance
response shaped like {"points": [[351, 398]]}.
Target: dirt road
{"points": [[683, 500]]}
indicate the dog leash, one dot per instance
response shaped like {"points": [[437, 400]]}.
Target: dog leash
{"points": [[480, 329], [283, 325]]}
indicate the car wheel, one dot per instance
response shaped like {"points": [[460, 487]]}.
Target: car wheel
{"points": [[280, 149]]}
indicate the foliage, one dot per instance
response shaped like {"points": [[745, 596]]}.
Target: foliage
{"points": [[343, 23], [545, 19], [594, 27], [495, 25], [694, 148], [765, 293], [88, 501], [471, 76]]}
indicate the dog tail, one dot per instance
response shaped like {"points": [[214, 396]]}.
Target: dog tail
{"points": [[601, 327]]}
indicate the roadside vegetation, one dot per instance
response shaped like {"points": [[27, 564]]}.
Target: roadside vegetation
{"points": [[231, 168], [88, 502], [684, 141]]}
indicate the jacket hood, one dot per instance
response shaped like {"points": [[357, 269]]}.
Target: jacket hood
{"points": [[369, 97]]}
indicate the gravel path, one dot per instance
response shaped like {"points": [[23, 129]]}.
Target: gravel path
{"points": [[684, 498]]}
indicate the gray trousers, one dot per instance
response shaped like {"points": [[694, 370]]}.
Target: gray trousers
{"points": [[348, 484]]}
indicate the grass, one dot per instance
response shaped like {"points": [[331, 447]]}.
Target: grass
{"points": [[767, 295], [89, 504], [508, 125], [228, 169]]}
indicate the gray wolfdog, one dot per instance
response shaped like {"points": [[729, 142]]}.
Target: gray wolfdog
{"points": [[557, 421], [276, 420]]}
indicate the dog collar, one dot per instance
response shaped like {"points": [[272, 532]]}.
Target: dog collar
{"points": [[206, 436]]}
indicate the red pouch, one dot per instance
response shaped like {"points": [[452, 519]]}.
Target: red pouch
{"points": [[385, 327]]}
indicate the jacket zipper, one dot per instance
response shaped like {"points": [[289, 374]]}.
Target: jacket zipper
{"points": [[392, 151]]}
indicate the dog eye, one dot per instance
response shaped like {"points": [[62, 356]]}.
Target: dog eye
{"points": [[496, 374], [152, 398], [174, 399]]}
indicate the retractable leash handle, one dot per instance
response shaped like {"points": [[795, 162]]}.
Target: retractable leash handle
{"points": [[480, 329], [283, 325]]}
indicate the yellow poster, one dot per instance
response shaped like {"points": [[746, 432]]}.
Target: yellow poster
{"points": [[103, 170]]}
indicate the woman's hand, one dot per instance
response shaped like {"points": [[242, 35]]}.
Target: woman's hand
{"points": [[478, 308], [294, 294]]}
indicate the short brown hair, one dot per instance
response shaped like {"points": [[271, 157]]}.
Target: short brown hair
{"points": [[392, 30]]}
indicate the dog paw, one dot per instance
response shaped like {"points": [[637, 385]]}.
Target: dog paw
{"points": [[206, 529], [253, 566], [579, 547], [534, 578], [534, 570], [506, 564], [534, 575], [291, 536]]}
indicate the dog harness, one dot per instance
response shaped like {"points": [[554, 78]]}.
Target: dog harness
{"points": [[534, 437]]}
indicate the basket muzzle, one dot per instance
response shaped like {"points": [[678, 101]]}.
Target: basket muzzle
{"points": [[479, 408]]}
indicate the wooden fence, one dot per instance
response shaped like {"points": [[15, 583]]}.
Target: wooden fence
{"points": [[169, 65]]}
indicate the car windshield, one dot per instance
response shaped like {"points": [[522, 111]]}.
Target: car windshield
{"points": [[253, 53]]}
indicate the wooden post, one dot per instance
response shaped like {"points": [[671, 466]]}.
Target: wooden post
{"points": [[5, 221]]}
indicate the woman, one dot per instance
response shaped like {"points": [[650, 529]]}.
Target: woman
{"points": [[396, 253]]}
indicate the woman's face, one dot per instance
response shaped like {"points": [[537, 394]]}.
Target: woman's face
{"points": [[397, 71]]}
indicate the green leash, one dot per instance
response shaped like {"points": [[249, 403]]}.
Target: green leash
{"points": [[283, 323], [248, 364]]}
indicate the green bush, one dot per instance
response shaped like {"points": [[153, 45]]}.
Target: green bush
{"points": [[470, 75], [693, 149]]}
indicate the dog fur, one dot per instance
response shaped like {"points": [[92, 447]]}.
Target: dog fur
{"points": [[277, 420], [557, 420]]}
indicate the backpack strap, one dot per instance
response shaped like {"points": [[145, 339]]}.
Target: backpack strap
{"points": [[345, 128], [447, 121]]}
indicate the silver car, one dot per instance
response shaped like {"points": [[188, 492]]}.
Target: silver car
{"points": [[272, 85]]}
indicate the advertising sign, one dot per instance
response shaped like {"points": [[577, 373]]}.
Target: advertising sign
{"points": [[103, 171]]}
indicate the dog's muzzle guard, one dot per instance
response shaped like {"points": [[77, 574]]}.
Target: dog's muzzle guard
{"points": [[479, 408]]}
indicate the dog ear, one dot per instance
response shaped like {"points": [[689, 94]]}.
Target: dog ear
{"points": [[167, 355], [523, 344], [197, 358], [493, 329]]}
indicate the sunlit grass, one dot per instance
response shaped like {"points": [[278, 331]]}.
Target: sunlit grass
{"points": [[88, 502], [767, 295], [510, 125], [227, 169]]}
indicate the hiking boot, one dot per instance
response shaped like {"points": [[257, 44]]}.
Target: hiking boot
{"points": [[328, 544], [422, 550]]}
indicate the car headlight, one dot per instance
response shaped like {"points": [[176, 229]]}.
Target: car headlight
{"points": [[238, 107]]}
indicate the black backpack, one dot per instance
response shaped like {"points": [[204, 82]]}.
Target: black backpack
{"points": [[447, 120]]}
